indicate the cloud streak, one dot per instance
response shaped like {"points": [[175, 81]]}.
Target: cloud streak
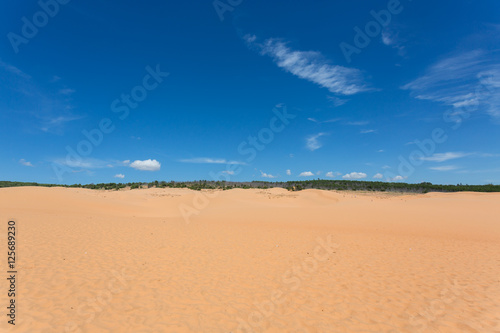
{"points": [[208, 160], [311, 66], [468, 81]]}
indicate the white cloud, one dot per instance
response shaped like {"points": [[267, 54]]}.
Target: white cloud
{"points": [[397, 178], [467, 82], [85, 163], [331, 174], [311, 66], [354, 175], [306, 174], [441, 157], [368, 131], [119, 175], [266, 175], [386, 38], [50, 110], [314, 120], [146, 165], [392, 39], [288, 172], [313, 143], [378, 176], [380, 151], [228, 172], [25, 163], [358, 123], [337, 101], [386, 167], [67, 91], [444, 168], [208, 160]]}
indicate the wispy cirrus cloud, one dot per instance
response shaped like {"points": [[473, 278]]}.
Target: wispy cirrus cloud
{"points": [[367, 131], [311, 66], [336, 102], [392, 39], [466, 81], [208, 160], [358, 123], [333, 120], [312, 142], [444, 168], [442, 157], [46, 108]]}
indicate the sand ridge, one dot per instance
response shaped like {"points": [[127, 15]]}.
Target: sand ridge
{"points": [[254, 261]]}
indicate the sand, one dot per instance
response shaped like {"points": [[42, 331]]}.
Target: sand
{"points": [[176, 260]]}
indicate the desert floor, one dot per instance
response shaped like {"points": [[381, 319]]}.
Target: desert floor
{"points": [[176, 260]]}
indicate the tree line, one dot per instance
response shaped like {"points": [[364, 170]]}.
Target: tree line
{"points": [[323, 184]]}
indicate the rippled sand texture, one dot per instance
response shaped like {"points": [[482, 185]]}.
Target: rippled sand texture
{"points": [[252, 261]]}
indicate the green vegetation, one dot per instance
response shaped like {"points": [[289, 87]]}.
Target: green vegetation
{"points": [[339, 185]]}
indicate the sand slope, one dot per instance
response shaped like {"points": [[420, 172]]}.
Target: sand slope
{"points": [[253, 261]]}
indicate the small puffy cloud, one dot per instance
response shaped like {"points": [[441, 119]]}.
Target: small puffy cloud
{"points": [[146, 165], [355, 175], [313, 143], [266, 175], [119, 175], [288, 172], [306, 174], [386, 38], [444, 168], [397, 179], [228, 172], [25, 163], [378, 176], [332, 174]]}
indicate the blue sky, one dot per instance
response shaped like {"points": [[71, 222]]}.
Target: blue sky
{"points": [[250, 90]]}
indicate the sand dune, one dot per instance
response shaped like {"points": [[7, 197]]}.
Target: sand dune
{"points": [[175, 260]]}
